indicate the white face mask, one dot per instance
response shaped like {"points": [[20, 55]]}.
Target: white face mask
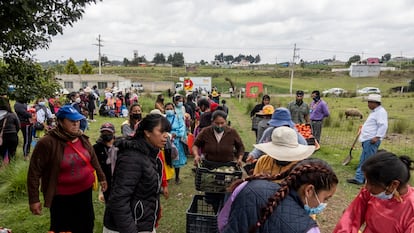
{"points": [[78, 100], [383, 196]]}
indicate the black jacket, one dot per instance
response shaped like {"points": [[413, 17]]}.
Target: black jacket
{"points": [[134, 200], [22, 113]]}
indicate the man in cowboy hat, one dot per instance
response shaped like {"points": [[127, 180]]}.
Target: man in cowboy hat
{"points": [[372, 132], [280, 117], [282, 153]]}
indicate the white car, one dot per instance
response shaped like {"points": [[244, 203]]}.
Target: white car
{"points": [[369, 90], [336, 91], [138, 87]]}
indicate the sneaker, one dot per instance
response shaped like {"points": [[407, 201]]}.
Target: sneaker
{"points": [[354, 181], [177, 181]]}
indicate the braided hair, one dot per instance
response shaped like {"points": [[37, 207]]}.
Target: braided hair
{"points": [[309, 171]]}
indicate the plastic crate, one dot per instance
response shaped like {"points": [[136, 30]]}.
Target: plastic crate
{"points": [[208, 179], [310, 141], [201, 216]]}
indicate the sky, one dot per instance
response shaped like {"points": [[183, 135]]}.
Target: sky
{"points": [[201, 29]]}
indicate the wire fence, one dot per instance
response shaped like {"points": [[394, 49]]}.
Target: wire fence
{"points": [[340, 135]]}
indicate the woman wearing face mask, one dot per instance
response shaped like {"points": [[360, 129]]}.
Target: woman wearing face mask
{"points": [[135, 115], [218, 141], [106, 153], [179, 106], [386, 203], [134, 202], [283, 207], [43, 115], [177, 132]]}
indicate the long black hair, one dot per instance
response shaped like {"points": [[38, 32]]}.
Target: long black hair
{"points": [[150, 122], [384, 167]]}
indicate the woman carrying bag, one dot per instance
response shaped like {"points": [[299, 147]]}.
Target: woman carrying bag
{"points": [[62, 165]]}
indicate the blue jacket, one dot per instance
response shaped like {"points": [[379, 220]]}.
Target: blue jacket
{"points": [[289, 216]]}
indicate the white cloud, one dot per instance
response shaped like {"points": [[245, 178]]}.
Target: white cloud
{"points": [[200, 29]]}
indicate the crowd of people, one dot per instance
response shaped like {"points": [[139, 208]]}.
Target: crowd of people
{"points": [[285, 188]]}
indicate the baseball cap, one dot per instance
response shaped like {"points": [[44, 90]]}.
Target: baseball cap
{"points": [[70, 113], [107, 126]]}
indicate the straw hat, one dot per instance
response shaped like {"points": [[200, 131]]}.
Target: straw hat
{"points": [[374, 98], [284, 146]]}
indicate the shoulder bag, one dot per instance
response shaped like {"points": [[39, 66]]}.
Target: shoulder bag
{"points": [[96, 183]]}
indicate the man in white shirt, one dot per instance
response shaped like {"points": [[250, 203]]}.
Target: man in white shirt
{"points": [[372, 132]]}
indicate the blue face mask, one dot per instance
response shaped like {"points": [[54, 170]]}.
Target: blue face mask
{"points": [[42, 103], [169, 112], [179, 104], [383, 196], [316, 210]]}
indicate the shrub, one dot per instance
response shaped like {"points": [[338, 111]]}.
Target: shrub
{"points": [[13, 181], [399, 126]]}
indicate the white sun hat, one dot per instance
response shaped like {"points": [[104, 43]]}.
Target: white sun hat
{"points": [[284, 146]]}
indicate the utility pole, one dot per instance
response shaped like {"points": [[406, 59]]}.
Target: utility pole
{"points": [[293, 67], [99, 44]]}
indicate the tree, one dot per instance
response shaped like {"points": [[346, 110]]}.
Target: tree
{"points": [[202, 62], [250, 58], [24, 73], [353, 59], [86, 68], [105, 61], [71, 67], [386, 57], [177, 59], [159, 58], [257, 59], [27, 25], [126, 62]]}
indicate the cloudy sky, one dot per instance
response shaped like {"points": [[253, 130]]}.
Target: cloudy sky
{"points": [[200, 29]]}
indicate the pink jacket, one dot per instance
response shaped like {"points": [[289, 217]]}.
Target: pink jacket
{"points": [[378, 215]]}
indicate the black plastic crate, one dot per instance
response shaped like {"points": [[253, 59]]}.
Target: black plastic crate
{"points": [[310, 141], [201, 216], [215, 177]]}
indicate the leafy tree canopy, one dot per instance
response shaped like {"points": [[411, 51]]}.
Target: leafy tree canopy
{"points": [[22, 74], [27, 25], [86, 68], [353, 59], [71, 67]]}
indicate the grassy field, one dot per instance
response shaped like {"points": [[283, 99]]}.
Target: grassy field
{"points": [[336, 140]]}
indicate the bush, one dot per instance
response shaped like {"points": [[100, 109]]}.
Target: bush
{"points": [[13, 181], [399, 126]]}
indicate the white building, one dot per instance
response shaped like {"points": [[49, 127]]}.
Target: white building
{"points": [[73, 82], [364, 70]]}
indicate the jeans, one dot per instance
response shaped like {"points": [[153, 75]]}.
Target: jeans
{"points": [[368, 150]]}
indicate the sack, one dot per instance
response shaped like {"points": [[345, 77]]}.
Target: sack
{"points": [[95, 185], [39, 126]]}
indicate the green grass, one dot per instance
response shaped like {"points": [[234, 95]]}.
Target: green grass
{"points": [[337, 136]]}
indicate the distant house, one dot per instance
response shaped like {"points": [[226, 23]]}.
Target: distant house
{"points": [[373, 60], [364, 70], [73, 82]]}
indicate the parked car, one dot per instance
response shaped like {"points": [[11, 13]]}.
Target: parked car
{"points": [[137, 86], [369, 90], [336, 91]]}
